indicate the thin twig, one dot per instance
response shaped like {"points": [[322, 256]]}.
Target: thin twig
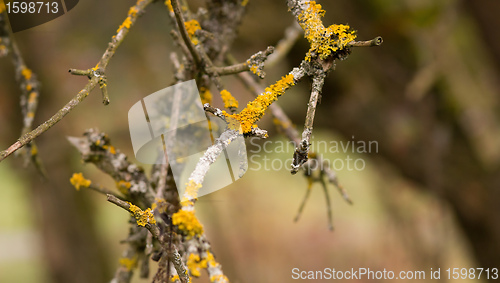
{"points": [[301, 152], [332, 178], [104, 191], [377, 41], [181, 44], [304, 200], [328, 202], [179, 17]]}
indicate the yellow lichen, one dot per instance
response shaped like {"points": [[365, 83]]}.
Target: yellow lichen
{"points": [[191, 192], [191, 27], [228, 99], [128, 263], [195, 264], [219, 278], [206, 95], [109, 148], [34, 150], [234, 124], [78, 181], [26, 73], [142, 217], [175, 277], [32, 97], [187, 222], [254, 69], [123, 186], [256, 108], [169, 5], [323, 41], [126, 24], [132, 13]]}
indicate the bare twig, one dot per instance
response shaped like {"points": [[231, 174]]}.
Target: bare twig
{"points": [[328, 202], [231, 70], [377, 41], [104, 191], [301, 152], [306, 197]]}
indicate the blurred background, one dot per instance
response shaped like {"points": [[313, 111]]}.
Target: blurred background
{"points": [[428, 197]]}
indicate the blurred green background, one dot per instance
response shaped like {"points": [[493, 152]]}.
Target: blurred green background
{"points": [[427, 199]]}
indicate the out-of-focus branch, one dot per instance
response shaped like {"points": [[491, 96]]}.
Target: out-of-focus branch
{"points": [[116, 40], [30, 89], [292, 34]]}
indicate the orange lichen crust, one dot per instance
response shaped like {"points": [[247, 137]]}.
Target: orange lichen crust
{"points": [[123, 186], [27, 73], [129, 263], [206, 95], [195, 263], [228, 99], [255, 109], [78, 181], [142, 217], [324, 41], [191, 27], [219, 278], [187, 222], [190, 194], [169, 5]]}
